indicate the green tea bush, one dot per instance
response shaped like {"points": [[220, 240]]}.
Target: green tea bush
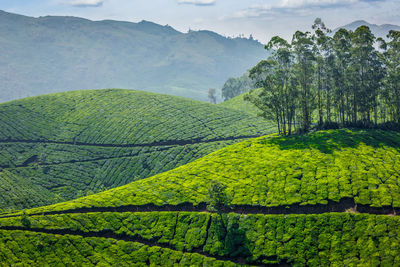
{"points": [[21, 248], [276, 171], [302, 240]]}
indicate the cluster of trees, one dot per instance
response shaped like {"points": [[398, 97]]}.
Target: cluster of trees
{"points": [[236, 86], [345, 79]]}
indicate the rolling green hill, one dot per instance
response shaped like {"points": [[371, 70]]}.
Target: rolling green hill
{"points": [[314, 200], [65, 145], [238, 103], [275, 171]]}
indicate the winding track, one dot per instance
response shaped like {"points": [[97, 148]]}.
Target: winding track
{"points": [[161, 143], [343, 205]]}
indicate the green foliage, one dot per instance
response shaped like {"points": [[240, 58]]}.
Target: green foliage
{"points": [[342, 79], [236, 86], [275, 171], [268, 171], [18, 191], [25, 221], [21, 248], [217, 198], [301, 240], [44, 151]]}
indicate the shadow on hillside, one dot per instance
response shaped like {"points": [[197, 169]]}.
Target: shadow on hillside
{"points": [[234, 244], [329, 141]]}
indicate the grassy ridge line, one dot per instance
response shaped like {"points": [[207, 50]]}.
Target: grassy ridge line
{"points": [[38, 249], [311, 240], [275, 171]]}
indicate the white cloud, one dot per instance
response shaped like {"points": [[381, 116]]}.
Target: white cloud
{"points": [[198, 2], [85, 3], [313, 3], [294, 7]]}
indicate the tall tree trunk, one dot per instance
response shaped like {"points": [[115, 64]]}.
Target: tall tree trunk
{"points": [[277, 120], [354, 108], [328, 105], [342, 107], [319, 95]]}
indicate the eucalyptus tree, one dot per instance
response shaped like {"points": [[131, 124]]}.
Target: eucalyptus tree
{"points": [[302, 45], [362, 63], [285, 81], [342, 51], [268, 100], [323, 54], [344, 76], [277, 99], [391, 81]]}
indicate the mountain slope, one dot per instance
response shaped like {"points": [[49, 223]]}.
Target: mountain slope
{"points": [[377, 30], [53, 54], [315, 200], [70, 144]]}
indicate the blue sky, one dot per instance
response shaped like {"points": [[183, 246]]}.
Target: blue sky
{"points": [[261, 18]]}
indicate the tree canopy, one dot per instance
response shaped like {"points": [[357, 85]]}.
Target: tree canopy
{"points": [[329, 81], [236, 86]]}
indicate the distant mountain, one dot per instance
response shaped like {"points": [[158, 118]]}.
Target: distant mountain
{"points": [[377, 30], [50, 54]]}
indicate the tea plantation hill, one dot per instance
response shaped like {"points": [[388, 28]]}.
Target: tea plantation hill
{"points": [[329, 198], [61, 146]]}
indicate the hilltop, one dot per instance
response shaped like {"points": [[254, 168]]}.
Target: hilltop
{"points": [[60, 146], [56, 53], [311, 200], [238, 103], [377, 30]]}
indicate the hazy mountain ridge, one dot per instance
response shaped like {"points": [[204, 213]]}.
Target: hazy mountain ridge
{"points": [[377, 30], [50, 54]]}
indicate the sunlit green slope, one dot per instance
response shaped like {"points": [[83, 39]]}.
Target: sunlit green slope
{"points": [[275, 171], [238, 103], [322, 199], [69, 144]]}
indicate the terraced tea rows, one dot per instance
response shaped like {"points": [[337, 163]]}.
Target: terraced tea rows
{"points": [[38, 249], [275, 171], [163, 220], [120, 117], [68, 171], [72, 144], [312, 240]]}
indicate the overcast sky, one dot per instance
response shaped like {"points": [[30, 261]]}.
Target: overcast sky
{"points": [[261, 18]]}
